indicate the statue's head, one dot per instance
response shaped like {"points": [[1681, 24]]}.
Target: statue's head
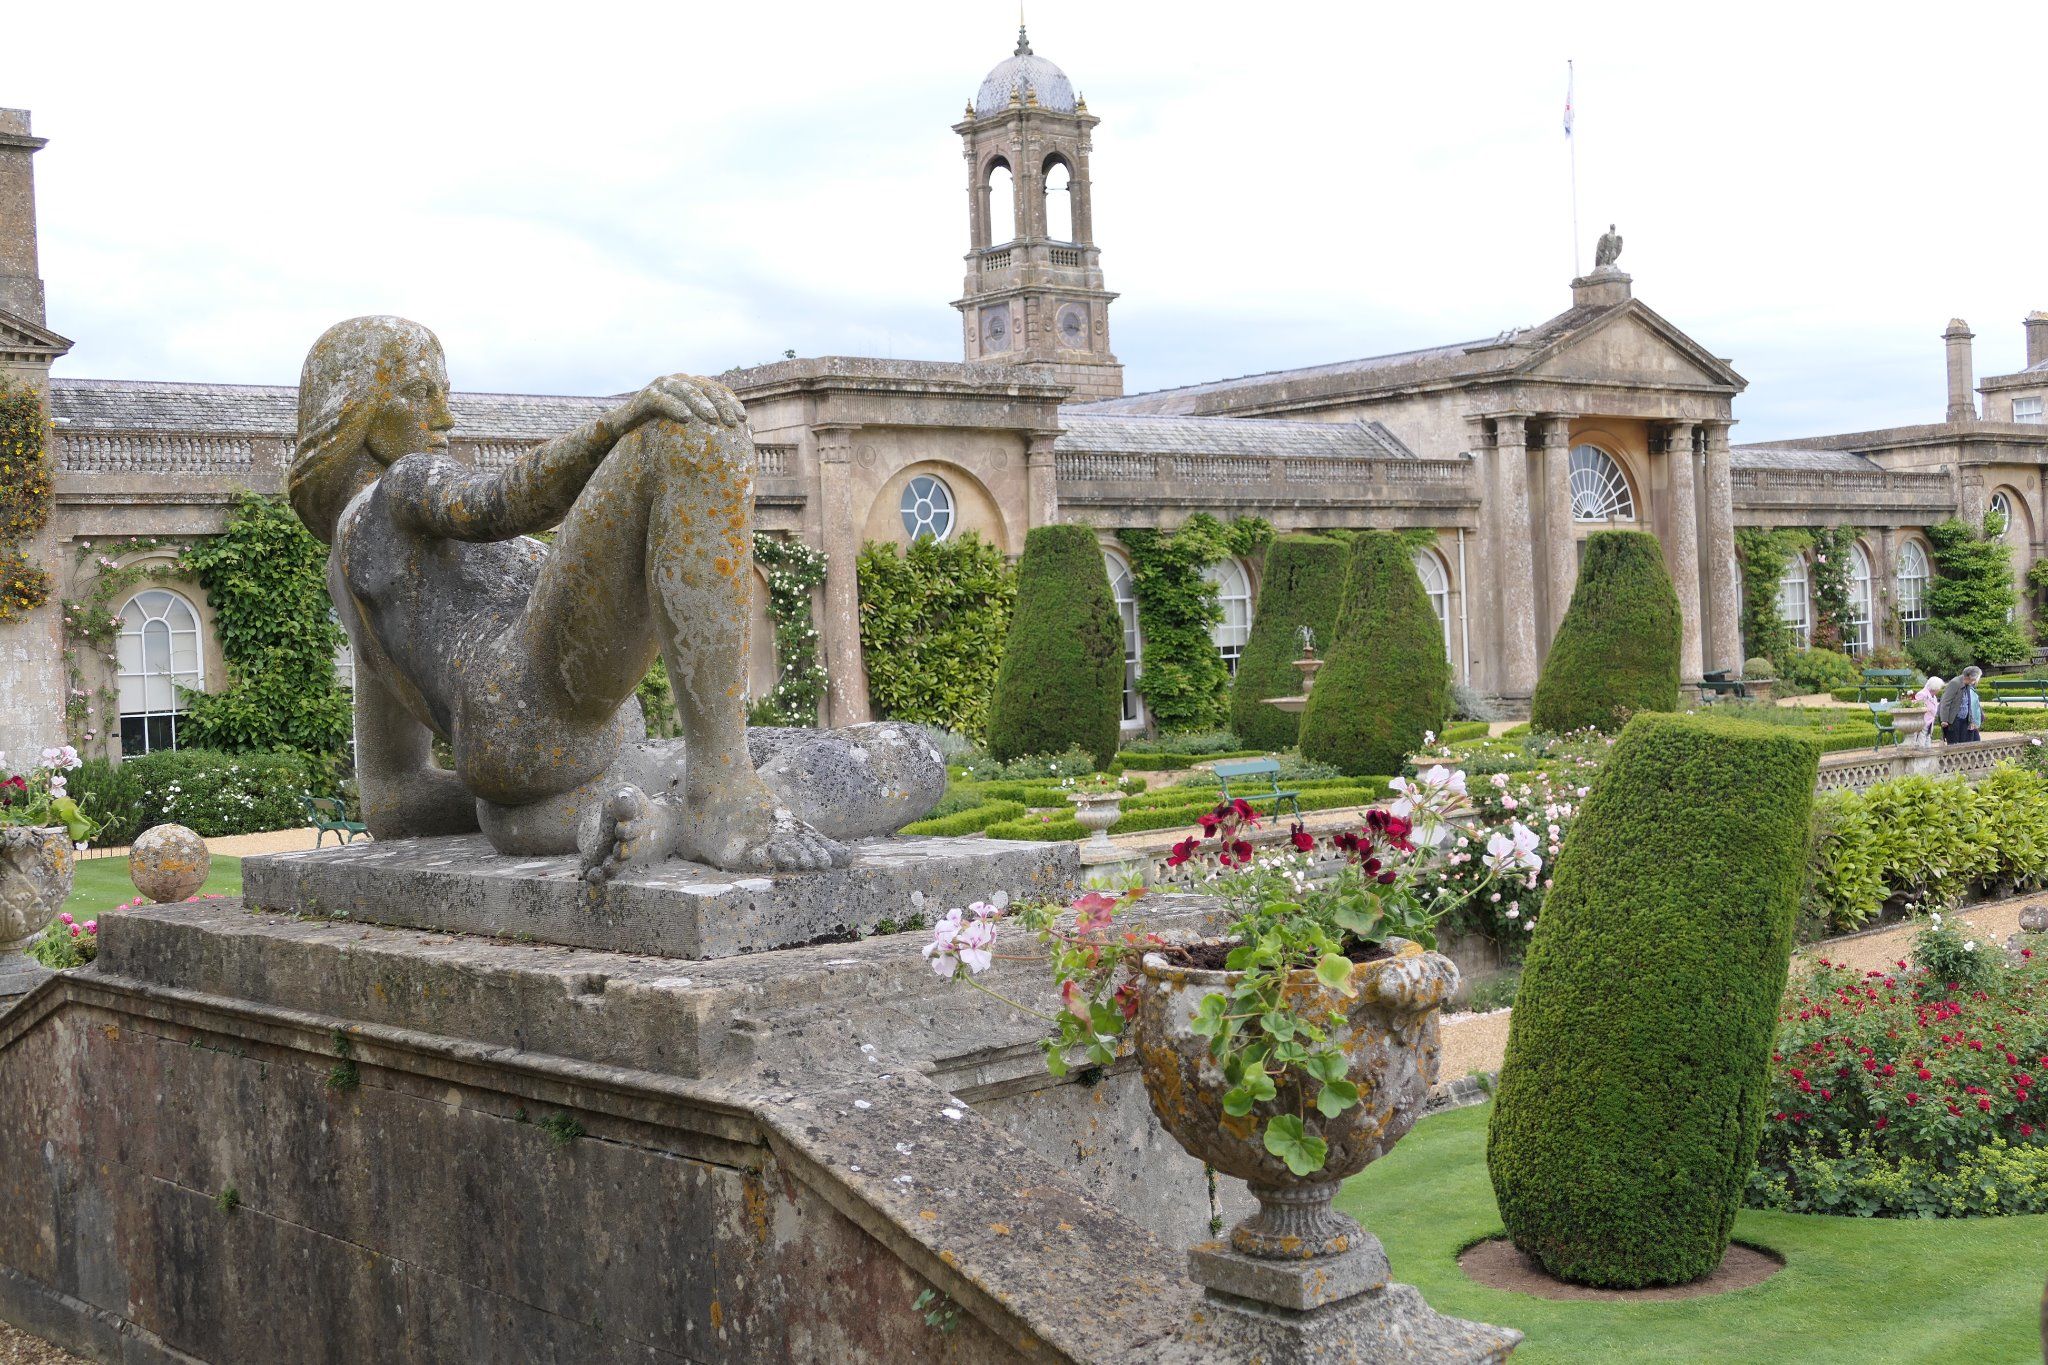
{"points": [[372, 391]]}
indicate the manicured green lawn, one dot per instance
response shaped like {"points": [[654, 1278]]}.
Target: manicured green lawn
{"points": [[102, 883], [1853, 1290]]}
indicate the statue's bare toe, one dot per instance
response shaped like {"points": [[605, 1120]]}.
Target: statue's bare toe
{"points": [[621, 833]]}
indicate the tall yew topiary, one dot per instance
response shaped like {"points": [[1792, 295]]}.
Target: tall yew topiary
{"points": [[1385, 680], [1631, 1098], [1616, 652], [1303, 585], [1061, 682]]}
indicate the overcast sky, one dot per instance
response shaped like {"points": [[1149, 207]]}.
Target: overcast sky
{"points": [[578, 197]]}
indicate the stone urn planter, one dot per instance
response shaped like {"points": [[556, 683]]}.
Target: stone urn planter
{"points": [[1907, 718], [1389, 1035], [1097, 811], [36, 865], [1759, 689]]}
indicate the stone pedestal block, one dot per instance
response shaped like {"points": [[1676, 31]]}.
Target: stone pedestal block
{"points": [[676, 909], [1330, 1309]]}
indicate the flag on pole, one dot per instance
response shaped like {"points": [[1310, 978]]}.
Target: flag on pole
{"points": [[1567, 99]]}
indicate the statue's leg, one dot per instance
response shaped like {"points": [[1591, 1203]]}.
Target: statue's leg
{"points": [[658, 552]]}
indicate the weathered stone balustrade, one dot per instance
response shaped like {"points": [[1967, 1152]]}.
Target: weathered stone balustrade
{"points": [[1114, 489]]}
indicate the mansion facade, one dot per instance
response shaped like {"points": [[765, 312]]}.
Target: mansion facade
{"points": [[1509, 449]]}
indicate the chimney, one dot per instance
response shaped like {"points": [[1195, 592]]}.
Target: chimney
{"points": [[1962, 374], [2037, 338], [21, 288]]}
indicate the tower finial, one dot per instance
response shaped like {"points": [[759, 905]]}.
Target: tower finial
{"points": [[1023, 41]]}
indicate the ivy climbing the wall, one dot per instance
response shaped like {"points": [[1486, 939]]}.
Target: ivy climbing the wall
{"points": [[1184, 681], [24, 499], [933, 619], [266, 579], [90, 625], [1833, 551], [793, 569], [1972, 593], [1763, 555]]}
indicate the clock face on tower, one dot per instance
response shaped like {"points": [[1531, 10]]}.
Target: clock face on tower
{"points": [[995, 329], [1073, 327]]}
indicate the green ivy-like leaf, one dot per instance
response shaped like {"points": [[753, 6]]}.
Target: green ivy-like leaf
{"points": [[1335, 1097], [1289, 1139]]}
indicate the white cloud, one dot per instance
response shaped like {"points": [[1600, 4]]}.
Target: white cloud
{"points": [[579, 197]]}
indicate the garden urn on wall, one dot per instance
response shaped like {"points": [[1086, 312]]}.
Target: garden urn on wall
{"points": [[1387, 1032], [1097, 809], [36, 865]]}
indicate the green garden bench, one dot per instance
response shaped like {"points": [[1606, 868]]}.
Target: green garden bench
{"points": [[1719, 683], [1896, 681], [2014, 689], [1887, 729], [1254, 768], [329, 814]]}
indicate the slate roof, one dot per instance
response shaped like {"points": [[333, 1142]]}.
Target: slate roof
{"points": [[1087, 429], [273, 409], [1792, 457]]}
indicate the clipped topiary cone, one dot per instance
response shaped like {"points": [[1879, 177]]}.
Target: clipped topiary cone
{"points": [[1616, 651], [1302, 585], [1386, 680], [1061, 682], [1631, 1097]]}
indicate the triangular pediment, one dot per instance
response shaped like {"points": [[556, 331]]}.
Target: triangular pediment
{"points": [[20, 338], [1630, 344]]}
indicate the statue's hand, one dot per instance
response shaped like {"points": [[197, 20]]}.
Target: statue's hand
{"points": [[685, 398]]}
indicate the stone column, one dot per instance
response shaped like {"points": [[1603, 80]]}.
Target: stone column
{"points": [[1884, 583], [1041, 481], [846, 700], [1724, 623], [1560, 547], [1516, 566], [1962, 373], [1682, 551]]}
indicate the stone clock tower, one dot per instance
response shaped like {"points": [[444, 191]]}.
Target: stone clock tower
{"points": [[1034, 298]]}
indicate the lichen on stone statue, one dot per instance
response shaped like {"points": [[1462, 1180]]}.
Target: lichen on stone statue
{"points": [[525, 658]]}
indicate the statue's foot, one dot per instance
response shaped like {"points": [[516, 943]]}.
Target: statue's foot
{"points": [[625, 830], [747, 831]]}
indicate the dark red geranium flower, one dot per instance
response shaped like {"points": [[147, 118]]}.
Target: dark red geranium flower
{"points": [[1303, 841], [1182, 851], [1345, 842], [1243, 849], [1242, 810], [1386, 878]]}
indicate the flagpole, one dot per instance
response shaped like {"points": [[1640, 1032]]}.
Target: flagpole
{"points": [[1573, 144]]}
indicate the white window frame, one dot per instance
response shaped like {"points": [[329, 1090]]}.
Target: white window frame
{"points": [[156, 614], [1601, 492], [2027, 410], [1856, 639], [1124, 590], [1234, 594], [926, 499], [2002, 505], [1916, 571], [1797, 583], [1436, 586]]}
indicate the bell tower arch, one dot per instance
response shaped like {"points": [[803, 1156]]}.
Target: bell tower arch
{"points": [[1035, 297]]}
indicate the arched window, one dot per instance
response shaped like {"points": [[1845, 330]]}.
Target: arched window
{"points": [[1059, 201], [1792, 604], [1436, 585], [1234, 595], [2002, 505], [1002, 204], [1600, 491], [1914, 574], [927, 508], [157, 652], [1126, 594], [1856, 630]]}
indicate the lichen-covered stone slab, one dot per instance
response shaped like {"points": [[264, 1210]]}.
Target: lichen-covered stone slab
{"points": [[675, 909]]}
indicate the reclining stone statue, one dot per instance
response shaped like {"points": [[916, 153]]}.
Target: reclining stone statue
{"points": [[525, 657]]}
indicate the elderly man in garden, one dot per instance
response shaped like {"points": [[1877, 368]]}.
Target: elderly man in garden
{"points": [[1962, 714]]}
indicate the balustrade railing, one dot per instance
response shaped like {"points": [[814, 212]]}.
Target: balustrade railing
{"points": [[1086, 467]]}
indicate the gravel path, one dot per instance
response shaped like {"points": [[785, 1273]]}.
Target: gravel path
{"points": [[19, 1348]]}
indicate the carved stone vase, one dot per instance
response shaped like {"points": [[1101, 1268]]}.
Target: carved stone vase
{"points": [[1389, 1034], [36, 865], [1097, 811]]}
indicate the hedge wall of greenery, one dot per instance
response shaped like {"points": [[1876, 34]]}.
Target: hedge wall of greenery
{"points": [[211, 793], [266, 578], [1184, 682], [1303, 585], [1631, 1096], [932, 623], [970, 821], [1763, 556], [1386, 680], [1059, 825], [1616, 652], [1061, 683]]}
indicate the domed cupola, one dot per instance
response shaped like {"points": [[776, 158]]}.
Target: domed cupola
{"points": [[1027, 77]]}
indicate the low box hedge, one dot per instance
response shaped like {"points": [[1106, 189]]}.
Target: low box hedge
{"points": [[1359, 792], [1459, 731], [970, 821], [209, 792], [1173, 763]]}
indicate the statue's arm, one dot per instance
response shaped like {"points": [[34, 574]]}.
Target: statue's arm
{"points": [[444, 497], [404, 794]]}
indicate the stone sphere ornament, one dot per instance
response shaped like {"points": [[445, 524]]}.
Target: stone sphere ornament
{"points": [[168, 863]]}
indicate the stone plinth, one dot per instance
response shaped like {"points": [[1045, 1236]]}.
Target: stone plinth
{"points": [[1331, 1309], [19, 975], [676, 909]]}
